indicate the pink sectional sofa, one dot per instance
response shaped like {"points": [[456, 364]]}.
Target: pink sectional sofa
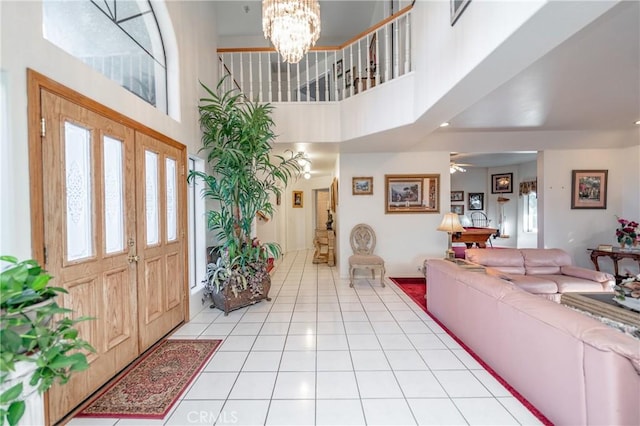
{"points": [[545, 272], [573, 368]]}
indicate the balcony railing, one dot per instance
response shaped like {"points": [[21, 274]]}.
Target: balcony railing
{"points": [[326, 74]]}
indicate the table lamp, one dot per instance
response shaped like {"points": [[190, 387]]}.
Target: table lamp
{"points": [[450, 224]]}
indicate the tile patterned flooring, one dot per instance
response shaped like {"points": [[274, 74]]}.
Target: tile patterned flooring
{"points": [[326, 354]]}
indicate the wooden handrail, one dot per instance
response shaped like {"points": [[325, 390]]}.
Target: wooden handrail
{"points": [[323, 48]]}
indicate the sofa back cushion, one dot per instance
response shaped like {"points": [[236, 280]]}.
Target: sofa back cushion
{"points": [[509, 261], [544, 261]]}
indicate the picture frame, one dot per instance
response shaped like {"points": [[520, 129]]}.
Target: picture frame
{"points": [[502, 183], [362, 185], [589, 189], [412, 193], [457, 208], [347, 78], [457, 7], [334, 194], [476, 201], [339, 68], [457, 196], [298, 199]]}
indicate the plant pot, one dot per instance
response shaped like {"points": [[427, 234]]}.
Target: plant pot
{"points": [[34, 412], [226, 301]]}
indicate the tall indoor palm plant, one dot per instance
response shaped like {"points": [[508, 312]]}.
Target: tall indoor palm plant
{"points": [[244, 176]]}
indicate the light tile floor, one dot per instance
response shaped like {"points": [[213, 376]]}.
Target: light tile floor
{"points": [[324, 353]]}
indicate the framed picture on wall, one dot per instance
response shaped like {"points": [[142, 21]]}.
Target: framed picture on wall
{"points": [[298, 199], [476, 201], [362, 185], [589, 189], [502, 183], [457, 195], [457, 208], [412, 193]]}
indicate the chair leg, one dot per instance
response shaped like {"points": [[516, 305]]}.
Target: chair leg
{"points": [[351, 277], [382, 272]]}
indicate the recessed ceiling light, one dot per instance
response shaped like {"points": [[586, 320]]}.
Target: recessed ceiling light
{"points": [[638, 122], [445, 124]]}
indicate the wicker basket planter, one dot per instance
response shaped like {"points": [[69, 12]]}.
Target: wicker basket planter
{"points": [[226, 301]]}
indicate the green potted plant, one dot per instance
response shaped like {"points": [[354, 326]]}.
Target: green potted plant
{"points": [[34, 332], [245, 175]]}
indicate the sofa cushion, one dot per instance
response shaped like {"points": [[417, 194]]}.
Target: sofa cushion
{"points": [[547, 261], [535, 284], [568, 284], [587, 274], [509, 261]]}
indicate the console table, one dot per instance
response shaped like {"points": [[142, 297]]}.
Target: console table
{"points": [[615, 255]]}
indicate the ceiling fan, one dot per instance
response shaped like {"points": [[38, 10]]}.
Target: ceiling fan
{"points": [[457, 167]]}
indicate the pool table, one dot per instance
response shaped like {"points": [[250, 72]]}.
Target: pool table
{"points": [[479, 236]]}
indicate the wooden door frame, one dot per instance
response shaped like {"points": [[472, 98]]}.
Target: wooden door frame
{"points": [[35, 83]]}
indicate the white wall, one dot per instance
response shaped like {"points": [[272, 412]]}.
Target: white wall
{"points": [[577, 230], [300, 222], [473, 180], [403, 240]]}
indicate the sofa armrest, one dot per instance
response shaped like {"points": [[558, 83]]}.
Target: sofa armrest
{"points": [[607, 280]]}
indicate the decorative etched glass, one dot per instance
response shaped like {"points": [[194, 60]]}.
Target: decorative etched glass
{"points": [[113, 195], [118, 38], [77, 156], [151, 197], [172, 207]]}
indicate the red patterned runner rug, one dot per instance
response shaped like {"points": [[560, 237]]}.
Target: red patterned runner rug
{"points": [[149, 388], [416, 289]]}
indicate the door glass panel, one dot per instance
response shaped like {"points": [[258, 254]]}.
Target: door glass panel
{"points": [[77, 146], [113, 195], [151, 198], [170, 170]]}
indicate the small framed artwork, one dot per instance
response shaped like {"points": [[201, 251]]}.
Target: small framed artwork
{"points": [[476, 201], [502, 183], [339, 68], [334, 194], [457, 208], [457, 195], [412, 193], [589, 189], [362, 186], [298, 199], [347, 78], [457, 7]]}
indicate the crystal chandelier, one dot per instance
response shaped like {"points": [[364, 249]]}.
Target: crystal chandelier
{"points": [[293, 26]]}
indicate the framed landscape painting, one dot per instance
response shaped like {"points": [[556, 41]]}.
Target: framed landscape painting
{"points": [[362, 185], [589, 189], [412, 193]]}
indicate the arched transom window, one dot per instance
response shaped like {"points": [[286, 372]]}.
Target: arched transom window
{"points": [[119, 38]]}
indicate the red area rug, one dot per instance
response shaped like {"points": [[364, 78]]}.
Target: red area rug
{"points": [[149, 388], [416, 289]]}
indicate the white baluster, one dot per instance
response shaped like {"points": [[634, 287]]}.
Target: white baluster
{"points": [[260, 91], [377, 55], [279, 81], [251, 76], [359, 71], [352, 77], [270, 79], [307, 62], [241, 79], [288, 82], [387, 54], [298, 80], [396, 53], [326, 76], [317, 78], [407, 47]]}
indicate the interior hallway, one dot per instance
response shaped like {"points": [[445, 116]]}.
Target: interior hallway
{"points": [[324, 353]]}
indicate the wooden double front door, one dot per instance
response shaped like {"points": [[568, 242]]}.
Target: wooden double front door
{"points": [[113, 204]]}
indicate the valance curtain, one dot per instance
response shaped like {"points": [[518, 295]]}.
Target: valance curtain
{"points": [[527, 187]]}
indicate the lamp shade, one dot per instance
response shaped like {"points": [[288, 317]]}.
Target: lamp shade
{"points": [[450, 223]]}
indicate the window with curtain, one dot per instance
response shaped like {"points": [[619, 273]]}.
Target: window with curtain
{"points": [[528, 192], [118, 38]]}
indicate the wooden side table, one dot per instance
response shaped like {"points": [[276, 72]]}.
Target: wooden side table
{"points": [[615, 255], [324, 242]]}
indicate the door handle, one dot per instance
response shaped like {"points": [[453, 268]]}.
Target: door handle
{"points": [[133, 258]]}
